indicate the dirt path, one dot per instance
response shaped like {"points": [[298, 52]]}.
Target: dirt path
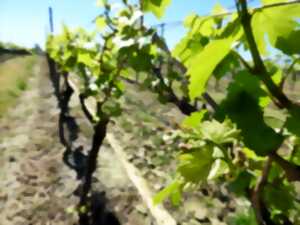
{"points": [[33, 188], [36, 187]]}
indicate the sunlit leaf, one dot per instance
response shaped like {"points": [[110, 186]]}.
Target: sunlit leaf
{"points": [[195, 166], [157, 7], [279, 24], [194, 119], [219, 133], [188, 47], [219, 168], [101, 3], [100, 22], [86, 59], [167, 192], [204, 63]]}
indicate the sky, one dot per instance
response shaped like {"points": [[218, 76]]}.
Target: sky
{"points": [[26, 22]]}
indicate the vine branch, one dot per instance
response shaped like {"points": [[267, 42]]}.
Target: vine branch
{"points": [[182, 68], [243, 61], [254, 10], [288, 72], [256, 199], [259, 66], [292, 171], [84, 108]]}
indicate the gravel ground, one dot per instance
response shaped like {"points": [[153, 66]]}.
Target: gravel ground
{"points": [[36, 187]]}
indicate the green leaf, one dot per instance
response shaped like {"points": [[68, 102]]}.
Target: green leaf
{"points": [[296, 155], [246, 113], [200, 24], [201, 62], [259, 32], [219, 168], [138, 59], [86, 59], [101, 3], [176, 196], [194, 119], [157, 7], [112, 108], [167, 192], [278, 197], [241, 106], [241, 184], [289, 44], [249, 83], [219, 133], [226, 66], [293, 121], [251, 155], [204, 63], [100, 22], [218, 9], [274, 118], [195, 166], [279, 23], [188, 47]]}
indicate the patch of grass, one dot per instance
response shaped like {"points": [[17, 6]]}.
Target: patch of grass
{"points": [[14, 74], [21, 85], [247, 218]]}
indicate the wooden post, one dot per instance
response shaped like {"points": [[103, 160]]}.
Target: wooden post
{"points": [[51, 19]]}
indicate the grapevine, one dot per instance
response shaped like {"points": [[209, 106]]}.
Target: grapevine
{"points": [[233, 140]]}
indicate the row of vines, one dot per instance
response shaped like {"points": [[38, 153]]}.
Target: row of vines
{"points": [[234, 140]]}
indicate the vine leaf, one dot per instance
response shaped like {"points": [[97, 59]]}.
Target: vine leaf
{"points": [[100, 3], [173, 190], [241, 183], [219, 168], [219, 133], [188, 47], [242, 107], [245, 111], [86, 59], [290, 44], [100, 22], [279, 198], [200, 24], [280, 25], [157, 7], [195, 166], [204, 63], [194, 119], [293, 121]]}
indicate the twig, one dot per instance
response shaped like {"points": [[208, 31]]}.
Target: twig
{"points": [[292, 171], [256, 194], [288, 72], [182, 104], [254, 10], [210, 101], [278, 4], [243, 61], [84, 108], [259, 66], [182, 68]]}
